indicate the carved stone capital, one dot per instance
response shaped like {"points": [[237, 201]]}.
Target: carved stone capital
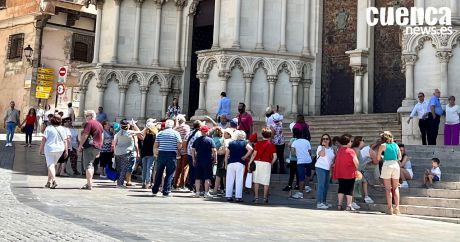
{"points": [[224, 75], [83, 89], [164, 91], [193, 7], [444, 56], [203, 77], [180, 4], [100, 4], [139, 3], [248, 77], [158, 3], [307, 83], [123, 87], [101, 86], [272, 78], [359, 70], [144, 90], [409, 59], [118, 2], [294, 81]]}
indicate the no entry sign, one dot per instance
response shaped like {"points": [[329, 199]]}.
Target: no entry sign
{"points": [[62, 71]]}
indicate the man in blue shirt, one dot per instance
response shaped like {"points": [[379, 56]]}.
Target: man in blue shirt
{"points": [[101, 116], [224, 106], [434, 117], [204, 155], [166, 148]]}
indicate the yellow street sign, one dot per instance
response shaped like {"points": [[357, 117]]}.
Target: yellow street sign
{"points": [[48, 71], [42, 95], [45, 83], [43, 89], [45, 77]]}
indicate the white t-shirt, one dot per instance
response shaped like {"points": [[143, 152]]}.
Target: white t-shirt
{"points": [[324, 162], [452, 114], [54, 141], [46, 115], [302, 148], [436, 171], [71, 114], [365, 153]]}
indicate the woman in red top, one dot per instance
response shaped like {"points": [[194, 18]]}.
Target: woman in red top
{"points": [[346, 165], [30, 120], [264, 156]]}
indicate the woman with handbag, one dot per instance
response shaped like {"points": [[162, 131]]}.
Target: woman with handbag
{"points": [[236, 154], [125, 150], [53, 146], [264, 156], [30, 121]]}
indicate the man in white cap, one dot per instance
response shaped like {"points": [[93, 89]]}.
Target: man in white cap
{"points": [[182, 165]]}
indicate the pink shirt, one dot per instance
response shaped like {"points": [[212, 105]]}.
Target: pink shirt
{"points": [[245, 122]]}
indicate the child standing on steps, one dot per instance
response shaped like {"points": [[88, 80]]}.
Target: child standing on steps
{"points": [[432, 175]]}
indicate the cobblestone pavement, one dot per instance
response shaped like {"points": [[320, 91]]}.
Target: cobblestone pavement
{"points": [[133, 214]]}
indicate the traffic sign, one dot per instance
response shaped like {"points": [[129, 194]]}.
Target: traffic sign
{"points": [[48, 71], [43, 89], [45, 77], [63, 71], [42, 95], [45, 83], [60, 89]]}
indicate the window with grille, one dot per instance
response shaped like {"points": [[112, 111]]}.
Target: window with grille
{"points": [[15, 46], [82, 47], [2, 4]]}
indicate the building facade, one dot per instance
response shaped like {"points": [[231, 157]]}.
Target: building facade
{"points": [[60, 33]]}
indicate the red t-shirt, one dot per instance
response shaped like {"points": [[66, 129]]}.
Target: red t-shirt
{"points": [[245, 122], [30, 119], [344, 166], [265, 150], [94, 129]]}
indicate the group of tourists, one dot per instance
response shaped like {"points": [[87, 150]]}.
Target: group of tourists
{"points": [[224, 156]]}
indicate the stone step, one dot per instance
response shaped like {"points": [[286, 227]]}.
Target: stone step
{"points": [[420, 169], [417, 210], [430, 148], [439, 155], [352, 117], [431, 202], [426, 162], [437, 185], [431, 218]]}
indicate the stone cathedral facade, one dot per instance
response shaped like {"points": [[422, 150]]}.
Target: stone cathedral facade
{"points": [[307, 56]]}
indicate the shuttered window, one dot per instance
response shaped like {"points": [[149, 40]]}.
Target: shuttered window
{"points": [[82, 47], [15, 46]]}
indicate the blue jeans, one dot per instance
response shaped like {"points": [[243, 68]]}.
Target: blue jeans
{"points": [[147, 164], [166, 159], [10, 127], [191, 172], [323, 185]]}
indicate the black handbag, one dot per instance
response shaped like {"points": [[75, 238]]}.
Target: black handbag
{"points": [[88, 142], [252, 166]]}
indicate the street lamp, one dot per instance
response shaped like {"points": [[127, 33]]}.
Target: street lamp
{"points": [[28, 53]]}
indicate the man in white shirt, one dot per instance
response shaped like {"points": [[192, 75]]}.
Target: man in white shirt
{"points": [[420, 111]]}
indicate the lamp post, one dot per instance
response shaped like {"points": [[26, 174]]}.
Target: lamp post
{"points": [[28, 51]]}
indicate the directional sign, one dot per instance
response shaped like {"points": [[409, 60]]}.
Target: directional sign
{"points": [[60, 89], [45, 77], [42, 95], [45, 83], [43, 89], [48, 71]]}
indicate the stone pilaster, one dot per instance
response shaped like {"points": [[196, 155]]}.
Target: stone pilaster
{"points": [[358, 63], [121, 105], [282, 47], [444, 57], [97, 33], [137, 26], [216, 32], [359, 72], [156, 48], [237, 23], [144, 91], [164, 92], [295, 95], [115, 32], [101, 89], [202, 99], [180, 4], [306, 29], [260, 26], [247, 90], [306, 96], [224, 76], [408, 61], [271, 89], [81, 109]]}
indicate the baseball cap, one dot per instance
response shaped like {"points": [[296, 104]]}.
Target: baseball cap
{"points": [[204, 129]]}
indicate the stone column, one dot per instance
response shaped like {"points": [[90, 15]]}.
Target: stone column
{"points": [[306, 96], [216, 32], [306, 29], [295, 95], [271, 89], [359, 72], [236, 33], [115, 32], [454, 8], [164, 101], [408, 64], [247, 90], [97, 34], [121, 104], [144, 91], [156, 48], [283, 27], [101, 89], [419, 3], [260, 26], [137, 27], [224, 76], [444, 57], [81, 109], [180, 4], [202, 100], [362, 27]]}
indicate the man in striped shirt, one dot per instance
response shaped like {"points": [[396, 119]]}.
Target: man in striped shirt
{"points": [[182, 167], [167, 146]]}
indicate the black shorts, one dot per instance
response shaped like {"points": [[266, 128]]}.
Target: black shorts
{"points": [[62, 159], [105, 158], [346, 186], [203, 171]]}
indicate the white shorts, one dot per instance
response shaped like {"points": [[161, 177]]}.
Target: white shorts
{"points": [[52, 158], [390, 170], [262, 173]]}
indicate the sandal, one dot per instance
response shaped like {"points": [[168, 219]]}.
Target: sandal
{"points": [[339, 207], [256, 200], [129, 184], [265, 200], [350, 208], [48, 185], [54, 185], [86, 187]]}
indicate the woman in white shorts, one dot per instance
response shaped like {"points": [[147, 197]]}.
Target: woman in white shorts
{"points": [[53, 145], [390, 170]]}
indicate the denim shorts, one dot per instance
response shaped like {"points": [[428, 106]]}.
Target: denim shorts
{"points": [[303, 171], [435, 178]]}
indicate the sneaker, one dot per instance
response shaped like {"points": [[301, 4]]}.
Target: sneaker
{"points": [[350, 208], [296, 187], [53, 185], [102, 176], [121, 187], [355, 206], [396, 211], [48, 185], [321, 206], [144, 186], [287, 189], [368, 200], [298, 195], [167, 195], [201, 194], [229, 199], [86, 187], [405, 184], [328, 205], [239, 200], [30, 145], [7, 144], [197, 194], [256, 200], [308, 189], [208, 195]]}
